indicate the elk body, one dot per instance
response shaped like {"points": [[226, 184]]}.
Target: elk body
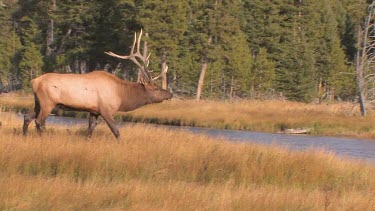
{"points": [[97, 92]]}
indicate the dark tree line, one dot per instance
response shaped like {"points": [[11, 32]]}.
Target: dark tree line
{"points": [[299, 49]]}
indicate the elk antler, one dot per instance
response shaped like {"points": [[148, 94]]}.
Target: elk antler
{"points": [[162, 73], [145, 59]]}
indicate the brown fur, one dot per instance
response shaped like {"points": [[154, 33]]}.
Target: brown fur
{"points": [[98, 92]]}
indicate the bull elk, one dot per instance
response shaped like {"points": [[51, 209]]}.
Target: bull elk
{"points": [[97, 92]]}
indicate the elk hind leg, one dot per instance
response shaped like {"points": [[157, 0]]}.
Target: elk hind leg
{"points": [[31, 115], [42, 116], [92, 124], [28, 117]]}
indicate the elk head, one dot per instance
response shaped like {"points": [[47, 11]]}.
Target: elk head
{"points": [[155, 92]]}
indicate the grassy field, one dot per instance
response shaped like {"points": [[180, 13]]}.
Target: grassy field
{"points": [[340, 119], [158, 169]]}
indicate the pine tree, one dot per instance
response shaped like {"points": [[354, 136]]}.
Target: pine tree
{"points": [[330, 58], [6, 41], [76, 25], [9, 44], [165, 23], [31, 58], [225, 51], [262, 24], [341, 80], [198, 41], [263, 73]]}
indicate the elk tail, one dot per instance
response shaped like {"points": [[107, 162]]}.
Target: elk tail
{"points": [[34, 84], [36, 105]]}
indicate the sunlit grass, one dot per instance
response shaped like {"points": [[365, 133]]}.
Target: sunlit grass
{"points": [[160, 169]]}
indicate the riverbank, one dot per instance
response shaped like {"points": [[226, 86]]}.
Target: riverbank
{"points": [[158, 169], [340, 119]]}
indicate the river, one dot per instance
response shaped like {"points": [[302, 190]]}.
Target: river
{"points": [[343, 147]]}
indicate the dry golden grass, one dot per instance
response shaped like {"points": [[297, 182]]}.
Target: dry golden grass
{"points": [[16, 101], [338, 119], [159, 169]]}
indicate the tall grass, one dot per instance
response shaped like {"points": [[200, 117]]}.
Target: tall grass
{"points": [[159, 169]]}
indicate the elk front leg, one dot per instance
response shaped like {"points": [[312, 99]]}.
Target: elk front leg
{"points": [[111, 124]]}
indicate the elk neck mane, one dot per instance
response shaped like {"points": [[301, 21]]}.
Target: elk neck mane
{"points": [[132, 94]]}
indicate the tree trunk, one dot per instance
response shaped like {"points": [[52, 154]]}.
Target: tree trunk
{"points": [[203, 73], [164, 76], [359, 69], [201, 80], [75, 65], [224, 87], [50, 34], [61, 48], [82, 66], [362, 104], [231, 92], [68, 69]]}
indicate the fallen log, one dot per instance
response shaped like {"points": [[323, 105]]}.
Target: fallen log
{"points": [[295, 131]]}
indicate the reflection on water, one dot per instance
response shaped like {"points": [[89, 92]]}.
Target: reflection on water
{"points": [[345, 147]]}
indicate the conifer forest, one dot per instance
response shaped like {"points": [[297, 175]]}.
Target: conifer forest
{"points": [[300, 50]]}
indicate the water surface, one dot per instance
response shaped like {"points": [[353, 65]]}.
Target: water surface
{"points": [[344, 147]]}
